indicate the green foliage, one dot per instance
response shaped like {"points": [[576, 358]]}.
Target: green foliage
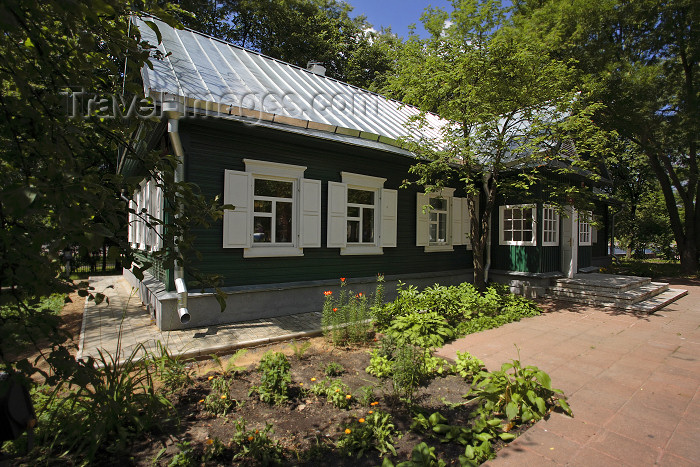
{"points": [[380, 365], [467, 366], [24, 322], [255, 445], [218, 402], [214, 449], [300, 349], [186, 457], [427, 330], [275, 378], [334, 369], [409, 370], [522, 394], [365, 395], [347, 316], [172, 371], [405, 303], [376, 431], [229, 369], [421, 456], [335, 391]]}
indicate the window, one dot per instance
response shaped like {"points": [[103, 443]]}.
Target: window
{"points": [[584, 228], [361, 215], [517, 225], [442, 220], [145, 222], [277, 211], [550, 226]]}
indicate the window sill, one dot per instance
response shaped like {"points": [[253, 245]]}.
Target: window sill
{"points": [[272, 251], [438, 248], [518, 243], [361, 250]]}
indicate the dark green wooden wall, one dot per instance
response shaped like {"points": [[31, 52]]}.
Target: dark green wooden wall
{"points": [[214, 145]]}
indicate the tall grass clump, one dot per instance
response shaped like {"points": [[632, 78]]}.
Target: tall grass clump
{"points": [[347, 316]]}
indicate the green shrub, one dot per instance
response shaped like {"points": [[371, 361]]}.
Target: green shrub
{"points": [[334, 369], [421, 456], [275, 378], [427, 330], [335, 391], [347, 316], [218, 401], [172, 371], [467, 365], [379, 364], [406, 302], [523, 394], [255, 445], [408, 370], [376, 431]]}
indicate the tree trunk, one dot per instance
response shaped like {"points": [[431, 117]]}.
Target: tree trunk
{"points": [[689, 256], [479, 266]]}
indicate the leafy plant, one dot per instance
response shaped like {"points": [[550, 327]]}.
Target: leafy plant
{"points": [[300, 349], [375, 431], [365, 395], [421, 456], [379, 364], [213, 449], [335, 391], [185, 457], [218, 401], [467, 365], [275, 378], [172, 371], [229, 369], [427, 330], [255, 445], [334, 369], [408, 370], [521, 393], [347, 317]]}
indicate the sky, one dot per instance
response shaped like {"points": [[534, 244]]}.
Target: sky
{"points": [[398, 14]]}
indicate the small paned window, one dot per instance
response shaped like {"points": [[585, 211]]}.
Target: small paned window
{"points": [[360, 216], [273, 211], [584, 228], [517, 225], [550, 226], [437, 221]]}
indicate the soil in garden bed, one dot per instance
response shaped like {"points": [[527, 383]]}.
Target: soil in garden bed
{"points": [[307, 426]]}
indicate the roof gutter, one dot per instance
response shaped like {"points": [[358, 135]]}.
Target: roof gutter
{"points": [[172, 110]]}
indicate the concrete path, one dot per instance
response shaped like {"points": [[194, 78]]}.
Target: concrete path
{"points": [[102, 323], [633, 383]]}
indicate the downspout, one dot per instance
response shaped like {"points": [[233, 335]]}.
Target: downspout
{"points": [[172, 110], [488, 237]]}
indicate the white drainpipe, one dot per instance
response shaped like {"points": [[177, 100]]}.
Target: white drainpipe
{"points": [[172, 110]]}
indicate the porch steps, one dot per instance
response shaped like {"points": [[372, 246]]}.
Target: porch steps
{"points": [[632, 293]]}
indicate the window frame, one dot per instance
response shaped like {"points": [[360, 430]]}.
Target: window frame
{"points": [[365, 183], [585, 234], [446, 194], [272, 214], [501, 225], [555, 222]]}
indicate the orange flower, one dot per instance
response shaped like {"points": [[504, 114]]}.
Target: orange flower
{"points": [[348, 431], [201, 400], [210, 378], [348, 396], [337, 390], [342, 279], [335, 309], [362, 420], [375, 403], [257, 431], [313, 379], [224, 396], [210, 441], [371, 412], [327, 293], [359, 294], [250, 438]]}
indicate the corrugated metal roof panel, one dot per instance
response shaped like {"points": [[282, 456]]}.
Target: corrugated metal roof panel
{"points": [[197, 67]]}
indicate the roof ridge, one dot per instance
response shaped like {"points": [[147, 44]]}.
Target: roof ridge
{"points": [[245, 49]]}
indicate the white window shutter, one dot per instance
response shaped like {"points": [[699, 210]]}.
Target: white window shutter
{"points": [[467, 221], [310, 235], [457, 212], [237, 222], [139, 220], [594, 234], [422, 235], [387, 229], [131, 227], [159, 215], [337, 215]]}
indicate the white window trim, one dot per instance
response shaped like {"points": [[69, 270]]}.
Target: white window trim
{"points": [[501, 240], [367, 183], [585, 236], [282, 172], [556, 225], [447, 194]]}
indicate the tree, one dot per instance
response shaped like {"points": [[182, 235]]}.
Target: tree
{"points": [[641, 60], [58, 183], [505, 100]]}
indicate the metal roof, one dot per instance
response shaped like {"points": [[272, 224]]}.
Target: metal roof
{"points": [[221, 78]]}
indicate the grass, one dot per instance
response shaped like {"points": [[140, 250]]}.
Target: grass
{"points": [[652, 267], [33, 318]]}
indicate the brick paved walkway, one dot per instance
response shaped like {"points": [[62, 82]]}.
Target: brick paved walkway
{"points": [[633, 384], [101, 325]]}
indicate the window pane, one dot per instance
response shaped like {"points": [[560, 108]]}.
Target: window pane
{"points": [[527, 224], [527, 213], [517, 236], [527, 236], [283, 223], [360, 196], [439, 204], [263, 206], [508, 225], [353, 211], [273, 188], [507, 236], [263, 229], [354, 231], [507, 214], [432, 233], [517, 214], [442, 229], [368, 225], [433, 217], [518, 225]]}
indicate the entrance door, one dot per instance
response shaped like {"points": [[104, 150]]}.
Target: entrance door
{"points": [[569, 242]]}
